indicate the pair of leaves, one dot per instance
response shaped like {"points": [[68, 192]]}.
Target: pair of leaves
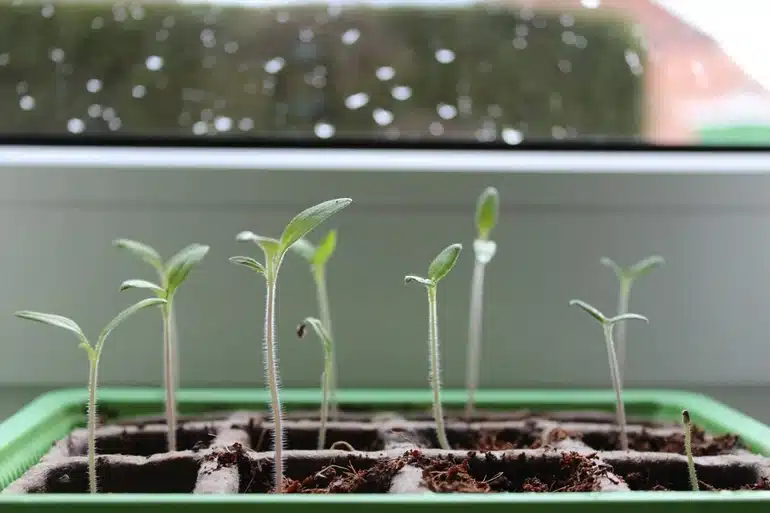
{"points": [[487, 209], [302, 224], [603, 319], [439, 267], [172, 274], [70, 325], [317, 256], [320, 331], [633, 272]]}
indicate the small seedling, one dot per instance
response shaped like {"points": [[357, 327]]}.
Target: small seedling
{"points": [[484, 250], [317, 257], [94, 353], [171, 275], [626, 278], [608, 324], [274, 251], [326, 343], [437, 270], [688, 449]]}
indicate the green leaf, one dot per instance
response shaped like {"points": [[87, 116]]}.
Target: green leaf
{"points": [[627, 316], [54, 320], [594, 312], [487, 209], [608, 262], [444, 262], [143, 251], [248, 262], [410, 278], [325, 249], [142, 284], [180, 265], [304, 249], [304, 222], [125, 314], [484, 250], [644, 266], [320, 331]]}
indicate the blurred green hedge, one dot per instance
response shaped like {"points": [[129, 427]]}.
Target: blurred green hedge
{"points": [[281, 71]]}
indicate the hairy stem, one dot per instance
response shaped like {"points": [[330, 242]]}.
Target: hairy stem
{"points": [[688, 451], [271, 365], [474, 337], [625, 290], [93, 366], [435, 370], [168, 376], [319, 273], [620, 407], [325, 386], [174, 337]]}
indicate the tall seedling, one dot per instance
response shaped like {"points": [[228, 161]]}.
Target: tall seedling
{"points": [[626, 278], [326, 342], [607, 325], [274, 250], [171, 275], [484, 250], [437, 270], [317, 257], [94, 353]]}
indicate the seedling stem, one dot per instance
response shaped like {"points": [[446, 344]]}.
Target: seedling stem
{"points": [[326, 343], [688, 450]]}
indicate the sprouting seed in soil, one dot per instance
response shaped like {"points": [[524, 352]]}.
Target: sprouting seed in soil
{"points": [[171, 275], [274, 250], [437, 270], [94, 353], [326, 343], [626, 278], [484, 250], [688, 449], [317, 257], [607, 325]]}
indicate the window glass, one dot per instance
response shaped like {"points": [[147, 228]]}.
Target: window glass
{"points": [[504, 71]]}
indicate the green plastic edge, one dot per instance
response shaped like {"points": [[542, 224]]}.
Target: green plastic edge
{"points": [[35, 421]]}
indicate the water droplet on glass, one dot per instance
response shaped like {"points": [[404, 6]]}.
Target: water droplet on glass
{"points": [[138, 91], [223, 124], [350, 36], [137, 12], [282, 17], [401, 92], [522, 30], [306, 35], [47, 11], [445, 56], [246, 124], [446, 111], [154, 62], [161, 35], [119, 13], [231, 47], [565, 66], [558, 132], [356, 101], [382, 117], [27, 103], [324, 130], [274, 65], [207, 38], [581, 42], [22, 87], [94, 85], [519, 43], [108, 114], [568, 37], [436, 128], [57, 55], [567, 20], [200, 128], [97, 23], [5, 58], [169, 22], [95, 110], [511, 136], [75, 125], [385, 73], [590, 4], [114, 124]]}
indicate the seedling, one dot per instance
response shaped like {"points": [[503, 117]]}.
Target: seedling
{"points": [[171, 275], [487, 208], [626, 278], [317, 256], [437, 270], [608, 324], [274, 251], [688, 450], [94, 353], [326, 343]]}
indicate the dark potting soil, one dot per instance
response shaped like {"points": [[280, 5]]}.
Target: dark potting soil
{"points": [[386, 453]]}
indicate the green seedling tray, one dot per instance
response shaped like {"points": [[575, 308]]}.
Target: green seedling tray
{"points": [[26, 436]]}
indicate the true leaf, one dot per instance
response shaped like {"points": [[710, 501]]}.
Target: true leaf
{"points": [[143, 251], [323, 335], [308, 219], [444, 262], [487, 208], [325, 248], [180, 265], [53, 320], [125, 314], [248, 262], [410, 278], [594, 312], [644, 266], [142, 284], [627, 316], [305, 249]]}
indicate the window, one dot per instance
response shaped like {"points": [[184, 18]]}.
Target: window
{"points": [[498, 71]]}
